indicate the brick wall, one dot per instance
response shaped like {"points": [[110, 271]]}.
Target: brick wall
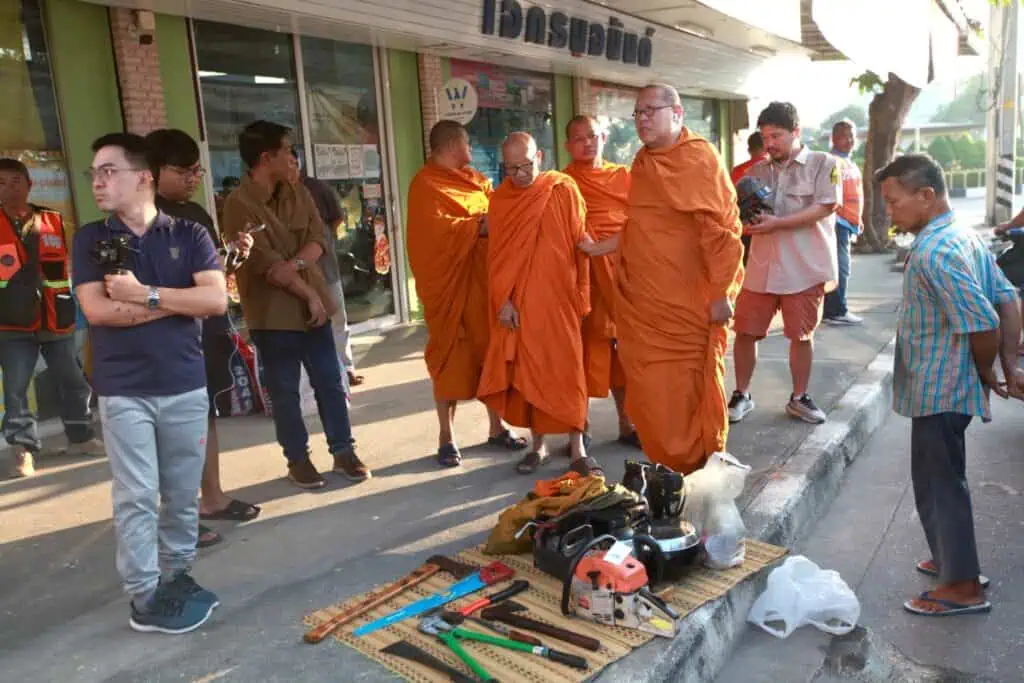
{"points": [[431, 80], [138, 74]]}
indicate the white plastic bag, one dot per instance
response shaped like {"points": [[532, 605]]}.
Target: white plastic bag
{"points": [[307, 397], [711, 494], [800, 592]]}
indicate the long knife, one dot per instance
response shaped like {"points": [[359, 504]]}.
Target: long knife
{"points": [[487, 576]]}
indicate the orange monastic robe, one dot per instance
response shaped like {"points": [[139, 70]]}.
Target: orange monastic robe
{"points": [[680, 251], [449, 262], [606, 193], [533, 376]]}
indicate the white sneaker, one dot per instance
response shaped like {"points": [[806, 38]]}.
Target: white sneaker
{"points": [[740, 405], [24, 463], [804, 408], [846, 320]]}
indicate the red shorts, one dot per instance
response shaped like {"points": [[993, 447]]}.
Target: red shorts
{"points": [[801, 312]]}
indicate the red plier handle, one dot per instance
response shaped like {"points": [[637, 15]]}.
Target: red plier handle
{"points": [[514, 589]]}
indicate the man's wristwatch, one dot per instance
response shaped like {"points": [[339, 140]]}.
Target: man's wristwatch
{"points": [[300, 264], [153, 299]]}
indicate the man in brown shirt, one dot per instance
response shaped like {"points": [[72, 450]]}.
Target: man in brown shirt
{"points": [[287, 303]]}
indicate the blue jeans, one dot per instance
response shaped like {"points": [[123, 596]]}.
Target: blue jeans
{"points": [[18, 356], [835, 301], [281, 352]]}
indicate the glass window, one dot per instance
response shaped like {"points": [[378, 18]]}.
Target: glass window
{"points": [[614, 106], [702, 118], [30, 132], [509, 100], [244, 75], [346, 140]]}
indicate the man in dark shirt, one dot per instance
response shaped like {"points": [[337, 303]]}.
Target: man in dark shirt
{"points": [[143, 312], [174, 156], [329, 208]]}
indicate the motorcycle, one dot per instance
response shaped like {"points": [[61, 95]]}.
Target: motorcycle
{"points": [[1008, 248]]}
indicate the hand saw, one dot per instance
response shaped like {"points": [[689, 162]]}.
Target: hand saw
{"points": [[487, 576]]}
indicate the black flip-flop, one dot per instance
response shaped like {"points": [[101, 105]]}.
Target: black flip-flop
{"points": [[631, 439], [207, 531], [507, 440], [950, 608], [927, 571], [448, 455], [236, 511], [530, 462]]}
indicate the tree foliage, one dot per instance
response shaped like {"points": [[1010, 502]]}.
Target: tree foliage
{"points": [[969, 106], [854, 112]]}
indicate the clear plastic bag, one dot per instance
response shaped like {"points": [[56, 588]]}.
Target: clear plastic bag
{"points": [[711, 494], [800, 592]]}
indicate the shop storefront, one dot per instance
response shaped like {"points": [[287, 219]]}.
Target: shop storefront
{"points": [[326, 91]]}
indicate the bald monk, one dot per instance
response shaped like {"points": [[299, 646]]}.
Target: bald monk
{"points": [[679, 274], [539, 292], [447, 244], [605, 189]]}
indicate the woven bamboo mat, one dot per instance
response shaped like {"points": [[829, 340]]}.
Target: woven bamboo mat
{"points": [[543, 600]]}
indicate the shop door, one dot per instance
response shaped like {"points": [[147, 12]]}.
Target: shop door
{"points": [[344, 128], [509, 100]]}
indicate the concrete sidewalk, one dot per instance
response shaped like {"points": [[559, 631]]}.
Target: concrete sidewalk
{"points": [[59, 592], [873, 538]]}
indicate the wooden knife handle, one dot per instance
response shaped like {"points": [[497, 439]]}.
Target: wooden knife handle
{"points": [[525, 623], [374, 599]]}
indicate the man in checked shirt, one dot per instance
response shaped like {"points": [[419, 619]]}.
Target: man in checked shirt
{"points": [[956, 306]]}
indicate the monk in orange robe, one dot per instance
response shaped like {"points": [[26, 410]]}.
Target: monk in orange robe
{"points": [[679, 274], [605, 189], [539, 292], [447, 245]]}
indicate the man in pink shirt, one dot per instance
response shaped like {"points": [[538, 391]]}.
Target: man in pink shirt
{"points": [[792, 259]]}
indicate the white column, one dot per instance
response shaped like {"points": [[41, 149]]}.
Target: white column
{"points": [[1002, 123]]}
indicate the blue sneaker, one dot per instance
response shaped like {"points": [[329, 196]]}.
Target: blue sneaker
{"points": [[169, 613], [184, 586]]}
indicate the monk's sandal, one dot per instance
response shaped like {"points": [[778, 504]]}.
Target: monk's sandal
{"points": [[530, 462]]}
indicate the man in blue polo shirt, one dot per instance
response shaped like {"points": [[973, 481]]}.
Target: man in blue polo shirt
{"points": [[149, 374]]}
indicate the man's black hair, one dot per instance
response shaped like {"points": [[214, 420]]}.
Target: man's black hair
{"points": [[171, 147], [780, 115], [843, 123], [755, 141], [259, 137], [134, 146], [7, 164], [915, 172]]}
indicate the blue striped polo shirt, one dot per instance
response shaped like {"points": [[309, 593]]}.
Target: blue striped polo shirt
{"points": [[951, 288]]}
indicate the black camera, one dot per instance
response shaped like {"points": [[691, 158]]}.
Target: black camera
{"points": [[660, 486], [754, 197], [114, 255]]}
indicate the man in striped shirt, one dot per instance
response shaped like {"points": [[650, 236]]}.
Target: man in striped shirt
{"points": [[948, 337]]}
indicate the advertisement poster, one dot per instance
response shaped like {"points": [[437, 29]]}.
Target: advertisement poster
{"points": [[501, 88], [330, 162]]}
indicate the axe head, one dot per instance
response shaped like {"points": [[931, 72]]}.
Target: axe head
{"points": [[459, 570]]}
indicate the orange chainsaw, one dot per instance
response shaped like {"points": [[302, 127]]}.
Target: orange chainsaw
{"points": [[610, 586]]}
